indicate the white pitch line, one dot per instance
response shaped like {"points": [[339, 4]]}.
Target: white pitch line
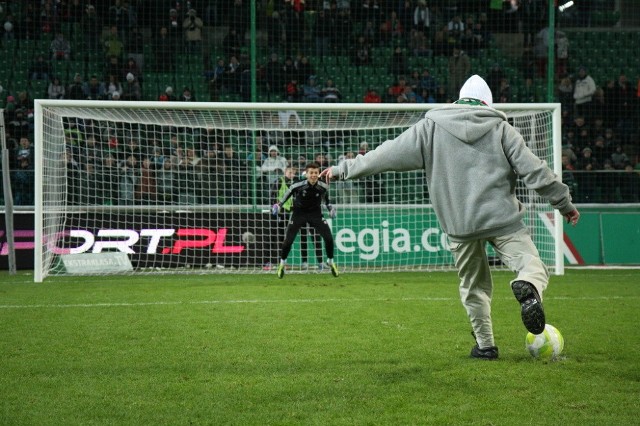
{"points": [[256, 301]]}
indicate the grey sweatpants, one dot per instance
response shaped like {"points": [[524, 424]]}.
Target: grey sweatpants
{"points": [[518, 252]]}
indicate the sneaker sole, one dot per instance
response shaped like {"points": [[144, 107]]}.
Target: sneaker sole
{"points": [[532, 312]]}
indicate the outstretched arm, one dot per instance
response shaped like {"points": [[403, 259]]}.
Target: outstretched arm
{"points": [[400, 154]]}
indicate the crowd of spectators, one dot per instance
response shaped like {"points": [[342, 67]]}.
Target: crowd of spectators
{"points": [[600, 123]]}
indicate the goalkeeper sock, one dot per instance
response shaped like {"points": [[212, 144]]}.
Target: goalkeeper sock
{"points": [[283, 261], [329, 261]]}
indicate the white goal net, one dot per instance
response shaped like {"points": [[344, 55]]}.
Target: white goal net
{"points": [[186, 187]]}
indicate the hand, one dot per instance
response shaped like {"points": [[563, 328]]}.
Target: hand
{"points": [[333, 213], [572, 217], [326, 174], [275, 209]]}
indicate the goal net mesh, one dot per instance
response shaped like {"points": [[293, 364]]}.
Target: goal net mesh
{"points": [[187, 187]]}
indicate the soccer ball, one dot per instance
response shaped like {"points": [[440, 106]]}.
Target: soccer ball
{"points": [[546, 346]]}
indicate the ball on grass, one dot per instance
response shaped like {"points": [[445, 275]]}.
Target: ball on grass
{"points": [[546, 346]]}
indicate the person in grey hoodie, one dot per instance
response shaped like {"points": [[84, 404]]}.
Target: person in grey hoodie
{"points": [[472, 158]]}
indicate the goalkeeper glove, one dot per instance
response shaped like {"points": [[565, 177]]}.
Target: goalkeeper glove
{"points": [[333, 213], [275, 209]]}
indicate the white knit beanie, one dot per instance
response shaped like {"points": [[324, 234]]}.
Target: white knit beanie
{"points": [[476, 88]]}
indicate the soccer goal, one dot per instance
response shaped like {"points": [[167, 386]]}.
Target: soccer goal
{"points": [[168, 187]]}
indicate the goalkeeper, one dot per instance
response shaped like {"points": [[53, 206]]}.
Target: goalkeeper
{"points": [[472, 157], [308, 196]]}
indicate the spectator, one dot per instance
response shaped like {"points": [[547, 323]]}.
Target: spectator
{"points": [[495, 76], [289, 70], [23, 177], [419, 45], [414, 79], [425, 97], [233, 167], [75, 90], [114, 67], [600, 151], [273, 167], [330, 93], [624, 104], [193, 31], [94, 89], [504, 91], [456, 28], [562, 54], [407, 96], [565, 93], [187, 95], [428, 81], [372, 97], [322, 33], [24, 151], [630, 185], [360, 52], [217, 77], [311, 92], [583, 91], [132, 68], [60, 48], [168, 93], [129, 178], [392, 31], [40, 69], [111, 86], [459, 70], [567, 174], [232, 43], [24, 101], [395, 90], [173, 28], [113, 44], [619, 158], [304, 67], [131, 90], [398, 65], [273, 74], [135, 46], [165, 181], [233, 74], [56, 89], [164, 50], [587, 181], [422, 18], [292, 91], [88, 24]]}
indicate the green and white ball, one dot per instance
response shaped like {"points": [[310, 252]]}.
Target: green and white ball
{"points": [[546, 346]]}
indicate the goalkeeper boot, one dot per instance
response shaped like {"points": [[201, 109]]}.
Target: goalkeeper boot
{"points": [[334, 269], [532, 312], [280, 270]]}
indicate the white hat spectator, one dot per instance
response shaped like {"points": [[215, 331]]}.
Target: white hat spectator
{"points": [[130, 77]]}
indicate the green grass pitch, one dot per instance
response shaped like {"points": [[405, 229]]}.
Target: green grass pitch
{"points": [[361, 349]]}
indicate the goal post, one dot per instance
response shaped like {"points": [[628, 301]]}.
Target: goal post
{"points": [[176, 187]]}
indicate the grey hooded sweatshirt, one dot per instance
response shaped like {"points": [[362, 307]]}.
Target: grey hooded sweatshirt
{"points": [[472, 157]]}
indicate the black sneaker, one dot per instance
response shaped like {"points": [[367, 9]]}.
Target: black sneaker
{"points": [[490, 353], [532, 311]]}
